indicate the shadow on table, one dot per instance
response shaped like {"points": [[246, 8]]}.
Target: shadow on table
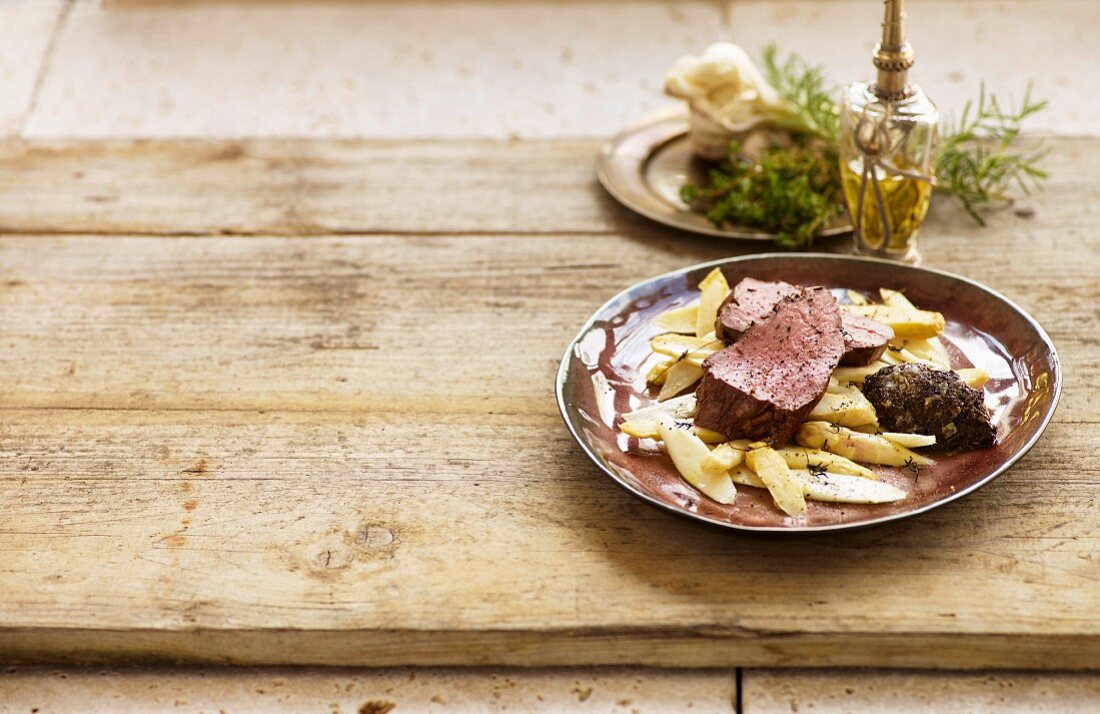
{"points": [[734, 569]]}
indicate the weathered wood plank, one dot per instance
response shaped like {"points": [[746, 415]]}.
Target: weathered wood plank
{"points": [[301, 187], [835, 691], [293, 691], [298, 187], [247, 537], [550, 690], [379, 322]]}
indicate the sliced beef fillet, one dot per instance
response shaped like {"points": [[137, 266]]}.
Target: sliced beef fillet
{"points": [[864, 339], [917, 399], [763, 385], [751, 300]]}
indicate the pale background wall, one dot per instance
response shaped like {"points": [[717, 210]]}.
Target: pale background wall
{"points": [[483, 68]]}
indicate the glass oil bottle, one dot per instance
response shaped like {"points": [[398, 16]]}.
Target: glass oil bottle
{"points": [[887, 149]]}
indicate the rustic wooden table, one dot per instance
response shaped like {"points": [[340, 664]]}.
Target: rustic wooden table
{"points": [[289, 401], [261, 404]]}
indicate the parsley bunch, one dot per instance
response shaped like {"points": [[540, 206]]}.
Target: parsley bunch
{"points": [[792, 192]]}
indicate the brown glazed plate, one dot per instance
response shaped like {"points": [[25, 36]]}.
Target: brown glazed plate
{"points": [[602, 376]]}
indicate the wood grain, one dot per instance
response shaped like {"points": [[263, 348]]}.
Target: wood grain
{"points": [[299, 187], [145, 690], [160, 690], [833, 691], [345, 450], [382, 322]]}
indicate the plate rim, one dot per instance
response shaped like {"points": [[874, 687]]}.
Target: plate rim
{"points": [[561, 380], [671, 115]]}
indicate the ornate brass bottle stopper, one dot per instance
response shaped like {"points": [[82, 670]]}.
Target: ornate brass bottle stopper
{"points": [[893, 54], [887, 143]]}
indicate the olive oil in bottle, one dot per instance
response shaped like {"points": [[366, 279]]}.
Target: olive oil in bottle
{"points": [[906, 202], [887, 149]]}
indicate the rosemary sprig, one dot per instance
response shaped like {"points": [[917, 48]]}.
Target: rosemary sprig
{"points": [[811, 98], [978, 161]]}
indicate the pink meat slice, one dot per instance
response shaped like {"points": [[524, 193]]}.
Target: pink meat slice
{"points": [[751, 300], [864, 339], [763, 385]]}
